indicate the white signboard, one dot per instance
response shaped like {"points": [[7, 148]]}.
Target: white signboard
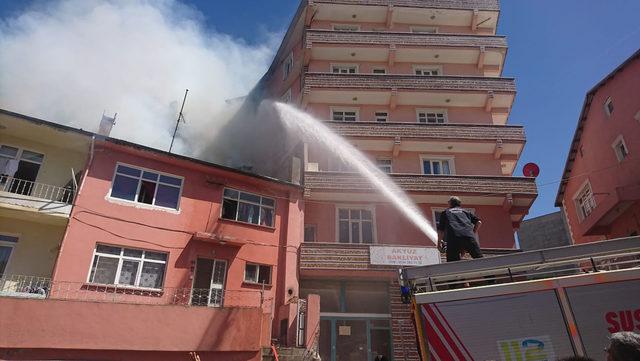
{"points": [[404, 256]]}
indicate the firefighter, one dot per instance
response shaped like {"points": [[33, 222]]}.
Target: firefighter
{"points": [[457, 228]]}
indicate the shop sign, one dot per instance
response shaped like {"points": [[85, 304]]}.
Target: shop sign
{"points": [[403, 256]]}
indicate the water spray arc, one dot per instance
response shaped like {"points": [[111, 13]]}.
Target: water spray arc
{"points": [[311, 129]]}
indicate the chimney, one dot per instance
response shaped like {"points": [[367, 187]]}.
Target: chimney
{"points": [[106, 123]]}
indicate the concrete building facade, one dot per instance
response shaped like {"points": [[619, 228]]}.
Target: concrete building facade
{"points": [[600, 188]]}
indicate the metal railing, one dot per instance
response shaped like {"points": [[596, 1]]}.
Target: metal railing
{"points": [[44, 288], [37, 190]]}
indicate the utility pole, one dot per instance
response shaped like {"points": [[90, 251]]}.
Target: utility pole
{"points": [[180, 117]]}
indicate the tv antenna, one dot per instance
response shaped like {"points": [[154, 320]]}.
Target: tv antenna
{"points": [[180, 117]]}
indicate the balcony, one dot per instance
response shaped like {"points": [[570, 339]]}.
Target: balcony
{"points": [[97, 317], [434, 4], [43, 198]]}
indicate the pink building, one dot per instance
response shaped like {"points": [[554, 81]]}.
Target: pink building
{"points": [[162, 255], [600, 191], [418, 86]]}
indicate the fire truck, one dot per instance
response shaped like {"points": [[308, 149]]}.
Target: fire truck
{"points": [[528, 306]]}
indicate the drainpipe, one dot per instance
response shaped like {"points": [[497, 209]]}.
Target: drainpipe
{"points": [[73, 204]]}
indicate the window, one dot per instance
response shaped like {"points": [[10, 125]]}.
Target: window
{"points": [[286, 97], [431, 116], [344, 68], [346, 27], [585, 202], [427, 71], [439, 165], [384, 164], [608, 107], [248, 207], [379, 71], [146, 186], [257, 273], [20, 164], [127, 267], [287, 66], [424, 29], [620, 148], [344, 114], [309, 232], [7, 243], [381, 116], [355, 225]]}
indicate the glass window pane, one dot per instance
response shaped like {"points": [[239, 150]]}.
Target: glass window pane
{"points": [[343, 236], [32, 156], [355, 232], [366, 214], [251, 273], [229, 209], [5, 253], [266, 216], [7, 238], [343, 213], [152, 275], [367, 232], [124, 188], [355, 214], [230, 193], [367, 297], [268, 201], [427, 167], [108, 249], [128, 170], [309, 233], [167, 196], [8, 151], [150, 176], [147, 192], [155, 256], [170, 180], [132, 253], [445, 167], [128, 272], [329, 294], [248, 213], [104, 270], [264, 276], [250, 197], [436, 168]]}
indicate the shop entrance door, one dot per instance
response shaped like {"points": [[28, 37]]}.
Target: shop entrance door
{"points": [[354, 339]]}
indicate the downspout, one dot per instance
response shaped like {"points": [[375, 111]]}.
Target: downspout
{"points": [[73, 204]]}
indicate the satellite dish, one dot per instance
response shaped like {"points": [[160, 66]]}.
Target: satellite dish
{"points": [[530, 170]]}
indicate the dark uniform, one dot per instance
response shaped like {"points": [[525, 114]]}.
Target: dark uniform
{"points": [[457, 224]]}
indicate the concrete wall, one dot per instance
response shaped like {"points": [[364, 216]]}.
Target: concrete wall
{"points": [[78, 325], [596, 160], [547, 231]]}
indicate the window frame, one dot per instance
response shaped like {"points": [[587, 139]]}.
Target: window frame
{"points": [[430, 68], [356, 27], [21, 151], [260, 266], [344, 65], [580, 211], [385, 159], [287, 66], [360, 207], [377, 117], [615, 145], [606, 104], [260, 205], [444, 112], [333, 109], [142, 170], [11, 245], [121, 258], [384, 70], [315, 232], [440, 158]]}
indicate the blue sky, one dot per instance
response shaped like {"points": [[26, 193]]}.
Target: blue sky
{"points": [[558, 51]]}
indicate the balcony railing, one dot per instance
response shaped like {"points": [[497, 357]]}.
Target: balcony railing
{"points": [[428, 131], [316, 36], [37, 190], [407, 82], [20, 286], [437, 4]]}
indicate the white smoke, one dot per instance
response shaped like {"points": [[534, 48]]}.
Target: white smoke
{"points": [[68, 61]]}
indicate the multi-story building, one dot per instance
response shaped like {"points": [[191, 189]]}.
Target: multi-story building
{"points": [[600, 188], [156, 255], [418, 87]]}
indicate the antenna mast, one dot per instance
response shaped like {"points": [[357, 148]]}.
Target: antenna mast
{"points": [[180, 117]]}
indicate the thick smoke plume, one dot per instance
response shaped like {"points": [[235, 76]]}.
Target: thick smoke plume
{"points": [[68, 61]]}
